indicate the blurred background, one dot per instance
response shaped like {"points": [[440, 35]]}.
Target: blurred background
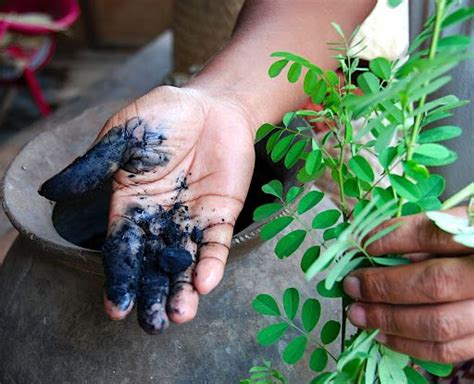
{"points": [[54, 53]]}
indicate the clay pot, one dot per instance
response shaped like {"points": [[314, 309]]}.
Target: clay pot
{"points": [[53, 328]]}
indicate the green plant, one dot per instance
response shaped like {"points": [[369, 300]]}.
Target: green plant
{"points": [[264, 374], [396, 116]]}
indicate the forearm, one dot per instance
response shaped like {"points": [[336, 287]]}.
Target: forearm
{"points": [[265, 26]]}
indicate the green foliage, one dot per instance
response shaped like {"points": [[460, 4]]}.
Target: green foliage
{"points": [[330, 331], [326, 219], [289, 243], [272, 333], [267, 210], [318, 360], [309, 201], [310, 314], [402, 129], [266, 305], [291, 302], [265, 374], [274, 227], [295, 350], [437, 369]]}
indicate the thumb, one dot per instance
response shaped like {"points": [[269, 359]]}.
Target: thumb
{"points": [[89, 171]]}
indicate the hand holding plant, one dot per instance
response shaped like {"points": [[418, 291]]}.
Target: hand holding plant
{"points": [[422, 309]]}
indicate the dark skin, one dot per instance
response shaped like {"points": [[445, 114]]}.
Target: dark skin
{"points": [[424, 309]]}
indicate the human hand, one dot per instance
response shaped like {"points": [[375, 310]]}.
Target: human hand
{"points": [[181, 163], [424, 309]]}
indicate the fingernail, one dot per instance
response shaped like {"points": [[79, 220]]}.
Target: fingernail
{"points": [[351, 285], [381, 338], [122, 302], [357, 315]]}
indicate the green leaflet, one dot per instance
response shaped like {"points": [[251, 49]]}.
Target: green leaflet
{"points": [[335, 292], [437, 369], [310, 82], [291, 302], [266, 210], [326, 219], [405, 188], [414, 377], [310, 314], [263, 131], [293, 194], [271, 334], [277, 67], [294, 153], [434, 151], [442, 133], [381, 67], [309, 201], [266, 305], [313, 161], [281, 148], [309, 257], [289, 243], [369, 83], [361, 168], [294, 72], [330, 331], [274, 187], [274, 227], [318, 360], [294, 351]]}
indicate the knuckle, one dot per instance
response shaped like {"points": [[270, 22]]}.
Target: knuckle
{"points": [[424, 236], [445, 353], [438, 282], [384, 245], [383, 319], [374, 287], [441, 328]]}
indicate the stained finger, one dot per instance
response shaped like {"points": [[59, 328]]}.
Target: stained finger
{"points": [[183, 299], [121, 256], [426, 282], [417, 233], [98, 164], [166, 256], [442, 322], [443, 352], [153, 292]]}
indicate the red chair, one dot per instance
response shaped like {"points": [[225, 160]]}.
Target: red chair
{"points": [[28, 42]]}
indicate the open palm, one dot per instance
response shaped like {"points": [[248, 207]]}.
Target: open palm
{"points": [[181, 163]]}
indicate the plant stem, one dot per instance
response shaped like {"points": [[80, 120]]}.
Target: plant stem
{"points": [[297, 217], [410, 144], [440, 8], [340, 178], [377, 182], [309, 335], [360, 376], [366, 254], [343, 325], [458, 197]]}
